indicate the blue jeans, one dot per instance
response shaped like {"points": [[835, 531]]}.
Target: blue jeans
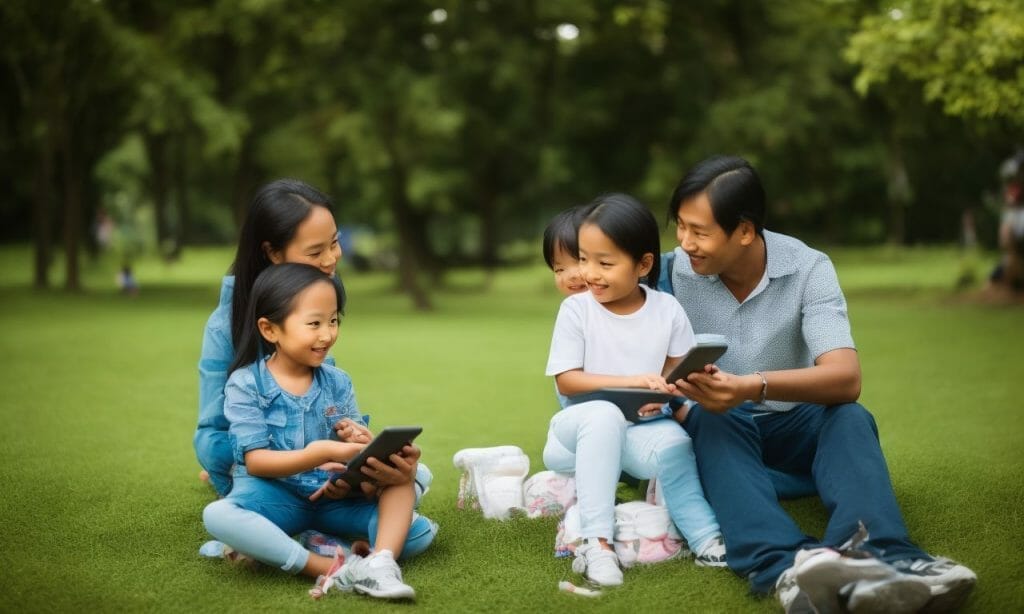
{"points": [[836, 445], [593, 441], [260, 514]]}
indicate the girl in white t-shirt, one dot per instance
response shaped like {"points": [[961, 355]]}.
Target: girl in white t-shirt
{"points": [[623, 334]]}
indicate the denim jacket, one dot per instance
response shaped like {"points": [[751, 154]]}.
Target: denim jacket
{"points": [[213, 448], [262, 415]]}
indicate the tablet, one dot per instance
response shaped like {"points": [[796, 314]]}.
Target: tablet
{"points": [[707, 351], [628, 400], [390, 440]]}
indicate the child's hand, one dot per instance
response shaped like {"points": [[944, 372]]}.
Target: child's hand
{"points": [[653, 381], [651, 409], [351, 431], [403, 472]]}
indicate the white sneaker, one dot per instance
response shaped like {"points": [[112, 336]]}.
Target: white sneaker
{"points": [[492, 479], [713, 554], [597, 564], [377, 575]]}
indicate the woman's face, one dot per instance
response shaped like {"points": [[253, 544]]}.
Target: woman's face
{"points": [[315, 242]]}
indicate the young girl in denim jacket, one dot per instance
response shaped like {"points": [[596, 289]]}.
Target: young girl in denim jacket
{"points": [[622, 334], [282, 408], [288, 221]]}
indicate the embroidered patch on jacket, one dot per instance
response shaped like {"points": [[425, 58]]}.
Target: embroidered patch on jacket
{"points": [[330, 412]]}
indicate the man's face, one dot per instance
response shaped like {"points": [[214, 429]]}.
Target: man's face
{"points": [[710, 249]]}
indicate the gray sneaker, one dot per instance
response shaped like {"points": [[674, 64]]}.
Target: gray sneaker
{"points": [[897, 594], [867, 584], [949, 582], [377, 575], [793, 600]]}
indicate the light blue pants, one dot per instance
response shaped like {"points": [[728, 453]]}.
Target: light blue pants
{"points": [[593, 441], [260, 514]]}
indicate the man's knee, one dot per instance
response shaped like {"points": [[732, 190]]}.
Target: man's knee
{"points": [[851, 416]]}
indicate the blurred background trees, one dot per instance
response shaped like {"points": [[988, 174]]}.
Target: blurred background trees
{"points": [[449, 131]]}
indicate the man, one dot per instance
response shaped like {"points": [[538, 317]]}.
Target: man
{"points": [[783, 399]]}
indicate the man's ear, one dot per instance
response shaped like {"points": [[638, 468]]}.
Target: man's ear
{"points": [[747, 232], [646, 263], [268, 330], [274, 256]]}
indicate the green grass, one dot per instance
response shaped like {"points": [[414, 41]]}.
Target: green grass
{"points": [[102, 506]]}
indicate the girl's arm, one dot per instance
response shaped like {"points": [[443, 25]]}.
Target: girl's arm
{"points": [[266, 463], [577, 381]]}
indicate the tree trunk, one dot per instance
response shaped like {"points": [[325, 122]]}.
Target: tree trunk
{"points": [[899, 194], [487, 198], [245, 179], [181, 195], [42, 196], [410, 225], [159, 168], [72, 177]]}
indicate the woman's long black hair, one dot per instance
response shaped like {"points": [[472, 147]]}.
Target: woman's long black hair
{"points": [[274, 215], [273, 298]]}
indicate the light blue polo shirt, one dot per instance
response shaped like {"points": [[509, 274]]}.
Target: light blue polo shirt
{"points": [[797, 314]]}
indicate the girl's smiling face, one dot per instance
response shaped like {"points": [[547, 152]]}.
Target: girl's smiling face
{"points": [[305, 336], [612, 275]]}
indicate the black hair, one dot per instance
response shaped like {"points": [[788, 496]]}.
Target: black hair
{"points": [[273, 298], [274, 215], [733, 188], [631, 226], [563, 232]]}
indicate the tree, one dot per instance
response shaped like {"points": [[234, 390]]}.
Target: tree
{"points": [[966, 55]]}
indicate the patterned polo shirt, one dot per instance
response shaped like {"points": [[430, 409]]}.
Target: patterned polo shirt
{"points": [[797, 314]]}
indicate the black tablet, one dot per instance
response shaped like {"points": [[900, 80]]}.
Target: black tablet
{"points": [[389, 441], [704, 353], [628, 400]]}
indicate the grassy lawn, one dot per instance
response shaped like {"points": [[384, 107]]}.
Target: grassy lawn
{"points": [[102, 504]]}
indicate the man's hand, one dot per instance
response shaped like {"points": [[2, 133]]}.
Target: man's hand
{"points": [[404, 471], [332, 489], [715, 390]]}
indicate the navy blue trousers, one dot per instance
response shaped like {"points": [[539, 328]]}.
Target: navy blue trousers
{"points": [[837, 446]]}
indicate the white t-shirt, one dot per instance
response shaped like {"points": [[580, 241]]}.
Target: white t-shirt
{"points": [[587, 336]]}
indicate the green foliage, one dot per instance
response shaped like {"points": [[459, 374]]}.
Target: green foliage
{"points": [[456, 129], [967, 55]]}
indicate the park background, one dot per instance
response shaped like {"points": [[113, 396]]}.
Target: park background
{"points": [[448, 133]]}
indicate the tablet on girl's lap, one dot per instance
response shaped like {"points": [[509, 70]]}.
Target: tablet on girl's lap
{"points": [[628, 400]]}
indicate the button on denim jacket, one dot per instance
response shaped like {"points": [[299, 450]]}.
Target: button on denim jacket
{"points": [[262, 415]]}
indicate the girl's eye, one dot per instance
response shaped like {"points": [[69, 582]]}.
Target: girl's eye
{"points": [[314, 323], [334, 321]]}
